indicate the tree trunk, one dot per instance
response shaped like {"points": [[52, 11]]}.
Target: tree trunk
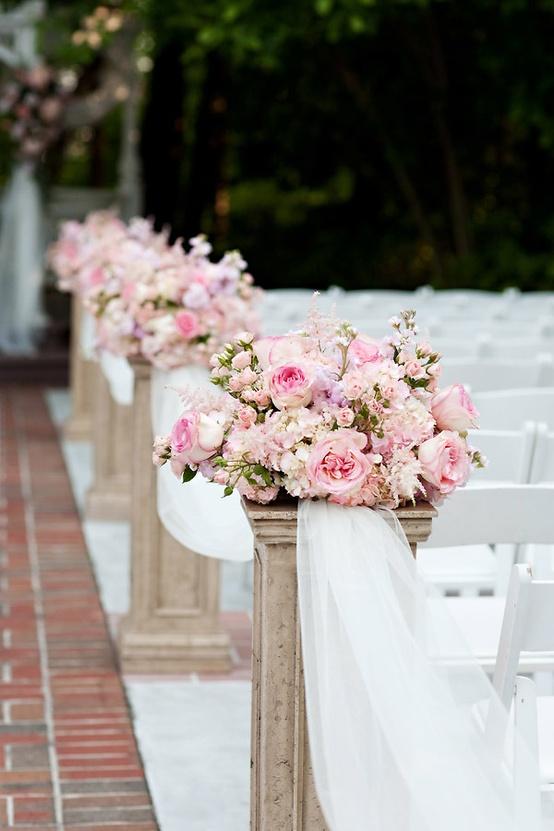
{"points": [[438, 79], [403, 180], [207, 195], [162, 137]]}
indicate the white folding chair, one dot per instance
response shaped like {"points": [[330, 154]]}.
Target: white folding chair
{"points": [[528, 632], [542, 472], [509, 409], [507, 514], [469, 570], [483, 375]]}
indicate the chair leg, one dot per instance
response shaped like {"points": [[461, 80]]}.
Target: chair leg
{"points": [[526, 767]]}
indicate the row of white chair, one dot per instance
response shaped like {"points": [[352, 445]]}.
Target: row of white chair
{"points": [[514, 457], [488, 375], [509, 409]]}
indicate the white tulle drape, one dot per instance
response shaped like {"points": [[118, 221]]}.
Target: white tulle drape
{"points": [[119, 376], [195, 514], [395, 721], [21, 249], [87, 335]]}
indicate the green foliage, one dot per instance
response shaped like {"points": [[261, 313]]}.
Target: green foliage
{"points": [[362, 142]]}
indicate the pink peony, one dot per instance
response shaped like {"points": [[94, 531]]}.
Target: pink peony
{"points": [[363, 350], [290, 385], [195, 437], [336, 465], [445, 462], [453, 409], [187, 324]]}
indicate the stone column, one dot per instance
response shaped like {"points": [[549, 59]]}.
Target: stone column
{"points": [[282, 788], [109, 497], [173, 624], [78, 427]]}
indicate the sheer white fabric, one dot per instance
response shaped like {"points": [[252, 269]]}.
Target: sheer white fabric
{"points": [[119, 376], [20, 262], [195, 514], [87, 335], [393, 718]]}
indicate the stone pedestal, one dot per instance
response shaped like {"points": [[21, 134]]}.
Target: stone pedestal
{"points": [[282, 788], [109, 498], [173, 624], [78, 427]]}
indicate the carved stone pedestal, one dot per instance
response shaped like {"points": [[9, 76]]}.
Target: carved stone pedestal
{"points": [[109, 498], [78, 427], [173, 624], [282, 788]]}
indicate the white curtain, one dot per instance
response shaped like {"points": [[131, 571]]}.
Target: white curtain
{"points": [[21, 250], [395, 723]]}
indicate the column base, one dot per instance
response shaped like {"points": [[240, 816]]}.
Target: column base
{"points": [[108, 506], [173, 653], [78, 428]]}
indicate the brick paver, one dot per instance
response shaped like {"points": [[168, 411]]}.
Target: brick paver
{"points": [[68, 758]]}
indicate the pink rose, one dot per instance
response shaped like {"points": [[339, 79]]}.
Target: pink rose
{"points": [[195, 437], [279, 349], [187, 324], [363, 350], [246, 416], [453, 409], [413, 369], [345, 417], [290, 385], [444, 461], [337, 465]]}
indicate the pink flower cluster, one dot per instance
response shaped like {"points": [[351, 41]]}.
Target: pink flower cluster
{"points": [[172, 306], [328, 413], [31, 109]]}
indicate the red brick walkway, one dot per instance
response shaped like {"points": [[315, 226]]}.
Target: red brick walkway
{"points": [[68, 760]]}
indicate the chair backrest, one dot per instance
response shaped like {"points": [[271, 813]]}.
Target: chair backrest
{"points": [[516, 514], [542, 467], [509, 454], [528, 626], [510, 409], [482, 375]]}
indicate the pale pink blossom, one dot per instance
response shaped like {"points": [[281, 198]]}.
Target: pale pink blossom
{"points": [[445, 461], [187, 324], [453, 409], [363, 350]]}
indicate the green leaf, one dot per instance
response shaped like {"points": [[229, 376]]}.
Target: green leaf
{"points": [[228, 490], [188, 474]]}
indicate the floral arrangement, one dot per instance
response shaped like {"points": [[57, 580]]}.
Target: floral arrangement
{"points": [[172, 306], [32, 103], [327, 413]]}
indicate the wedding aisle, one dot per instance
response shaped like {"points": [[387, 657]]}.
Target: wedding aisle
{"points": [[193, 731], [67, 749]]}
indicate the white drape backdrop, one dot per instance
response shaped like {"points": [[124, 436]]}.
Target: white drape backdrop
{"points": [[21, 251]]}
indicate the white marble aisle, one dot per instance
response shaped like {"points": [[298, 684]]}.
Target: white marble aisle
{"points": [[193, 734]]}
